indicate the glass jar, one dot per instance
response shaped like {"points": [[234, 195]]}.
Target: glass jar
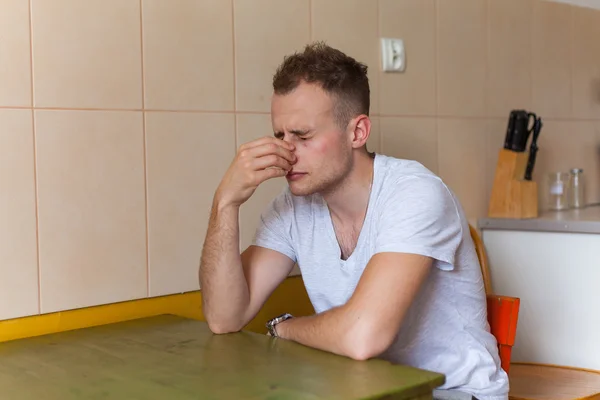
{"points": [[576, 188], [557, 194]]}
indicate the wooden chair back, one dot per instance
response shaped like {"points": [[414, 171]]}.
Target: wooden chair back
{"points": [[503, 311]]}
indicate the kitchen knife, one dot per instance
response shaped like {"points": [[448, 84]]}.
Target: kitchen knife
{"points": [[510, 129], [533, 148]]}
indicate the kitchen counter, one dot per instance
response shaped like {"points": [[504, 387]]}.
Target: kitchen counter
{"points": [[584, 220]]}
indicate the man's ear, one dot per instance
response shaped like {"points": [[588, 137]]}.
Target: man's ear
{"points": [[361, 130]]}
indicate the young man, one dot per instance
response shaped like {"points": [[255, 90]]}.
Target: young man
{"points": [[382, 243]]}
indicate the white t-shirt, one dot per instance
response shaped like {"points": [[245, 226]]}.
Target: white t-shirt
{"points": [[411, 211]]}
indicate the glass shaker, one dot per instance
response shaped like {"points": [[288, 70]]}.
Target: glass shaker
{"points": [[576, 188], [557, 191]]}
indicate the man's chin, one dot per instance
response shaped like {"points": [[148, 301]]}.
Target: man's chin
{"points": [[300, 190]]}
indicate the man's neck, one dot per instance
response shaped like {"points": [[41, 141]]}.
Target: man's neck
{"points": [[349, 200]]}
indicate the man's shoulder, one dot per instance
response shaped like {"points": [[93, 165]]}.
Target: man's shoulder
{"points": [[415, 197], [415, 212], [410, 180], [401, 166]]}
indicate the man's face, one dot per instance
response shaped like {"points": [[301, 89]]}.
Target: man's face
{"points": [[305, 118]]}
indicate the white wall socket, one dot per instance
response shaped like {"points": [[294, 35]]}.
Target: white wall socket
{"points": [[393, 56]]}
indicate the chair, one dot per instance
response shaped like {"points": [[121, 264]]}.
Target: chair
{"points": [[503, 311], [528, 380]]}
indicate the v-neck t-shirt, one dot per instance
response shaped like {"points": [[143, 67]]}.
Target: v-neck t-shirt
{"points": [[410, 210]]}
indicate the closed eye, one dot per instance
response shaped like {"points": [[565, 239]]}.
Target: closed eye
{"points": [[301, 134]]}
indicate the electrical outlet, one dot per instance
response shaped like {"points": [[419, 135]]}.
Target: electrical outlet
{"points": [[393, 55]]}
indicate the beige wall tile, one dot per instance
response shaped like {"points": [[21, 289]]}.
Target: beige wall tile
{"points": [[187, 155], [188, 54], [374, 141], [15, 66], [265, 31], [412, 139], [413, 91], [586, 63], [352, 27], [461, 38], [551, 59], [87, 54], [462, 161], [509, 75], [18, 245], [496, 132], [92, 228], [251, 127], [569, 144]]}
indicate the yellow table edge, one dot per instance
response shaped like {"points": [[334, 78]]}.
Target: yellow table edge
{"points": [[290, 297]]}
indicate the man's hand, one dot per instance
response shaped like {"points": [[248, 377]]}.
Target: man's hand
{"points": [[254, 163]]}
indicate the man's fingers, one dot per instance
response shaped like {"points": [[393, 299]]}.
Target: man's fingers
{"points": [[269, 173], [270, 149], [255, 143], [265, 140], [271, 160]]}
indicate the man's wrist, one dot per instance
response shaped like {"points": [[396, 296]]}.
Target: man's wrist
{"points": [[274, 324], [281, 329], [221, 204]]}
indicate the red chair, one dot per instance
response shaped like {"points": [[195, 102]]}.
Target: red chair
{"points": [[503, 313]]}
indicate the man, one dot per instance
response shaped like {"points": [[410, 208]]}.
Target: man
{"points": [[383, 245]]}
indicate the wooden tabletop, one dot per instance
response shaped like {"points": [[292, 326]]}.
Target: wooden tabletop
{"points": [[169, 357]]}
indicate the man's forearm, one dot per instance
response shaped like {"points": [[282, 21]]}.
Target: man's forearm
{"points": [[331, 331], [368, 323], [225, 294]]}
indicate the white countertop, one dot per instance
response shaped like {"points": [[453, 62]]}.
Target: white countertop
{"points": [[584, 220]]}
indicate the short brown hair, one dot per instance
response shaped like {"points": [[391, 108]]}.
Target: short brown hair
{"points": [[338, 74]]}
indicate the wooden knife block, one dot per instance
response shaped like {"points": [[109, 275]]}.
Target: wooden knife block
{"points": [[512, 195]]}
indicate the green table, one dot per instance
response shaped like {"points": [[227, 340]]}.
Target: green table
{"points": [[169, 357]]}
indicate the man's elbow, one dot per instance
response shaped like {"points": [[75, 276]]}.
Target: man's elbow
{"points": [[221, 329], [220, 324], [366, 342]]}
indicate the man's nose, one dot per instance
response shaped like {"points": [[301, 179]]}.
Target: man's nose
{"points": [[288, 138]]}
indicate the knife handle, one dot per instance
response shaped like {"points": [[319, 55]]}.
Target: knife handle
{"points": [[509, 132], [533, 148], [530, 162]]}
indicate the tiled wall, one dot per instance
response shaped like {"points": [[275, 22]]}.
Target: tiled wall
{"points": [[118, 118]]}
